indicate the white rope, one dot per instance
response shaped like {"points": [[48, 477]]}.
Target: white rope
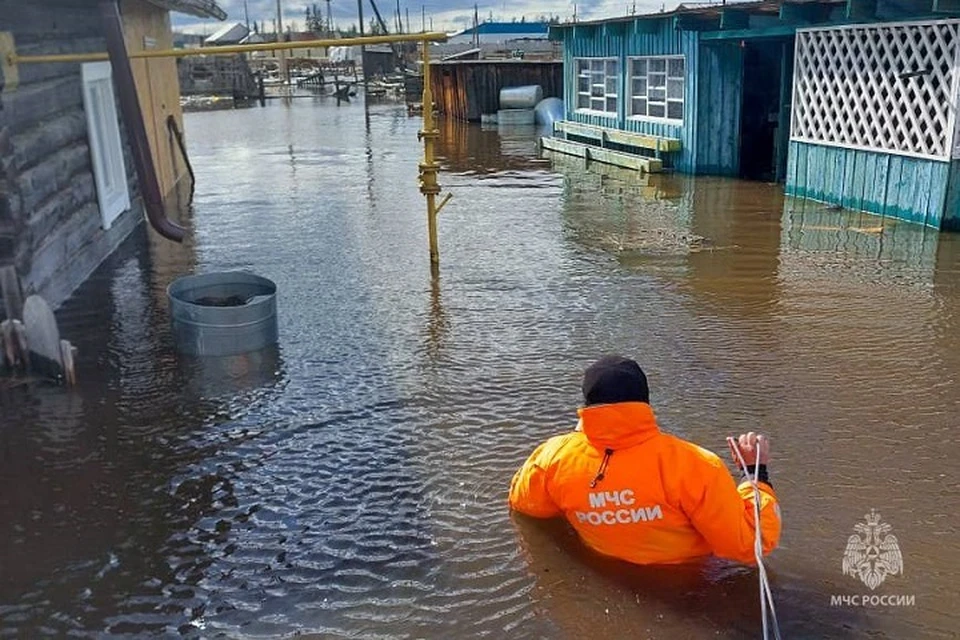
{"points": [[766, 595]]}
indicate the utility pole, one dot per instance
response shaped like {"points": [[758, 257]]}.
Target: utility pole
{"points": [[363, 49], [476, 26], [246, 15], [423, 19], [283, 56], [329, 18], [399, 18], [408, 20]]}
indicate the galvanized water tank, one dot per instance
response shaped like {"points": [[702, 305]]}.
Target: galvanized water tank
{"points": [[222, 314]]}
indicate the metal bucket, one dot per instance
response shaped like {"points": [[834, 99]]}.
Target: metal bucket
{"points": [[222, 314]]}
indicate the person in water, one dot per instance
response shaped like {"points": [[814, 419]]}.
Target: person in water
{"points": [[638, 494]]}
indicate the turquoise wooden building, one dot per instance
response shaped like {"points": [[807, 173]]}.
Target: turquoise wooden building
{"points": [[848, 102]]}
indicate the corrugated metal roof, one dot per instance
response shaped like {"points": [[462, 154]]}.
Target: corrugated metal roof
{"points": [[199, 8], [507, 28], [696, 8]]}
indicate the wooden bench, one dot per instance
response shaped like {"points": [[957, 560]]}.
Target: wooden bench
{"points": [[593, 153], [601, 135]]}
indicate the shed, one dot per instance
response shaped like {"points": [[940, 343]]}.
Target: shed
{"points": [[68, 192], [863, 122], [468, 89]]}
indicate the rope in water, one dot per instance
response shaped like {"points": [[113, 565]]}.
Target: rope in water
{"points": [[768, 619]]}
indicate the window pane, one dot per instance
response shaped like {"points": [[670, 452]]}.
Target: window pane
{"points": [[656, 110], [611, 67], [596, 66], [657, 95], [675, 110], [675, 66], [639, 67], [639, 107], [658, 65], [675, 89], [596, 104], [583, 101], [583, 84], [640, 87], [597, 90], [658, 80], [612, 85], [611, 105], [582, 66]]}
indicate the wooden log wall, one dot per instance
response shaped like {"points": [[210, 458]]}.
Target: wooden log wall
{"points": [[50, 224], [468, 89]]}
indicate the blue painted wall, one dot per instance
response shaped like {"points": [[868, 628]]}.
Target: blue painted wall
{"points": [[718, 109], [912, 189], [951, 209], [710, 133], [623, 40]]}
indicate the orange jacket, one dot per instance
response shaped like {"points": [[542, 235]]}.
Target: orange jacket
{"points": [[655, 499]]}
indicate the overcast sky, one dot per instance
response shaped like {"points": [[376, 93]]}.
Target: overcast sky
{"points": [[448, 15]]}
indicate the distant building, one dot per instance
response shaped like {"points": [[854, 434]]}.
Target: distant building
{"points": [[69, 194], [501, 32], [227, 35]]}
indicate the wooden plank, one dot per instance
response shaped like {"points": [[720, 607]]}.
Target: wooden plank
{"points": [[602, 134], [43, 338], [605, 156], [9, 73], [12, 293], [748, 34], [158, 88]]}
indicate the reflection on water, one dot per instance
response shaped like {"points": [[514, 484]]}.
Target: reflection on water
{"points": [[352, 481]]}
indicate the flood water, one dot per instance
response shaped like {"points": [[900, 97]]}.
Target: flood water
{"points": [[352, 483]]}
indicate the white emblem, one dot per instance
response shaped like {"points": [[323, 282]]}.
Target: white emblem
{"points": [[874, 555]]}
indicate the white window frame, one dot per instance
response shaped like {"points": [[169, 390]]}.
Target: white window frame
{"points": [[607, 95], [106, 149], [668, 81]]}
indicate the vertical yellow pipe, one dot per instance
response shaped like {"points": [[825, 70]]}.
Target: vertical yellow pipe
{"points": [[428, 168]]}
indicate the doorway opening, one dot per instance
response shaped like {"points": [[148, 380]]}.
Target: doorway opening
{"points": [[765, 110]]}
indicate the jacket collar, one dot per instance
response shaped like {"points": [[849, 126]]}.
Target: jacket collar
{"points": [[619, 425]]}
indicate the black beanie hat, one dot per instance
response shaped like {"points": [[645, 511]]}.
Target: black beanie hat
{"points": [[615, 379]]}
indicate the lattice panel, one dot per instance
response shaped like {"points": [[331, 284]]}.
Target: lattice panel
{"points": [[884, 87]]}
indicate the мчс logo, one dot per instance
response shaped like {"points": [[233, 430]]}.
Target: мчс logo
{"points": [[872, 553]]}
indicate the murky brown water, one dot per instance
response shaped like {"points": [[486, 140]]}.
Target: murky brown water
{"points": [[352, 484]]}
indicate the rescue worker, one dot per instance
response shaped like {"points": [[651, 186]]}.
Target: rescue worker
{"points": [[635, 493]]}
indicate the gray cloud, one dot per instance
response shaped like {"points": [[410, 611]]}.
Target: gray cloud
{"points": [[446, 14]]}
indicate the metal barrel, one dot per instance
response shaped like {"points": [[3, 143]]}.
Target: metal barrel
{"points": [[525, 97], [222, 314]]}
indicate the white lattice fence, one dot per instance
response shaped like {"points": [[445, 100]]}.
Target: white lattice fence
{"points": [[884, 87]]}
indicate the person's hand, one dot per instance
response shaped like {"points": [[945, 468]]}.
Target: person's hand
{"points": [[750, 445]]}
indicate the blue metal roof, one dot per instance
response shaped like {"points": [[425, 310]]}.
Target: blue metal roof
{"points": [[508, 28]]}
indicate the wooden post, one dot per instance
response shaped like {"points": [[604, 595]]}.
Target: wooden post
{"points": [[12, 293]]}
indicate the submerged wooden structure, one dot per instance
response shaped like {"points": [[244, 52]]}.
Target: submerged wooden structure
{"points": [[849, 102]]}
